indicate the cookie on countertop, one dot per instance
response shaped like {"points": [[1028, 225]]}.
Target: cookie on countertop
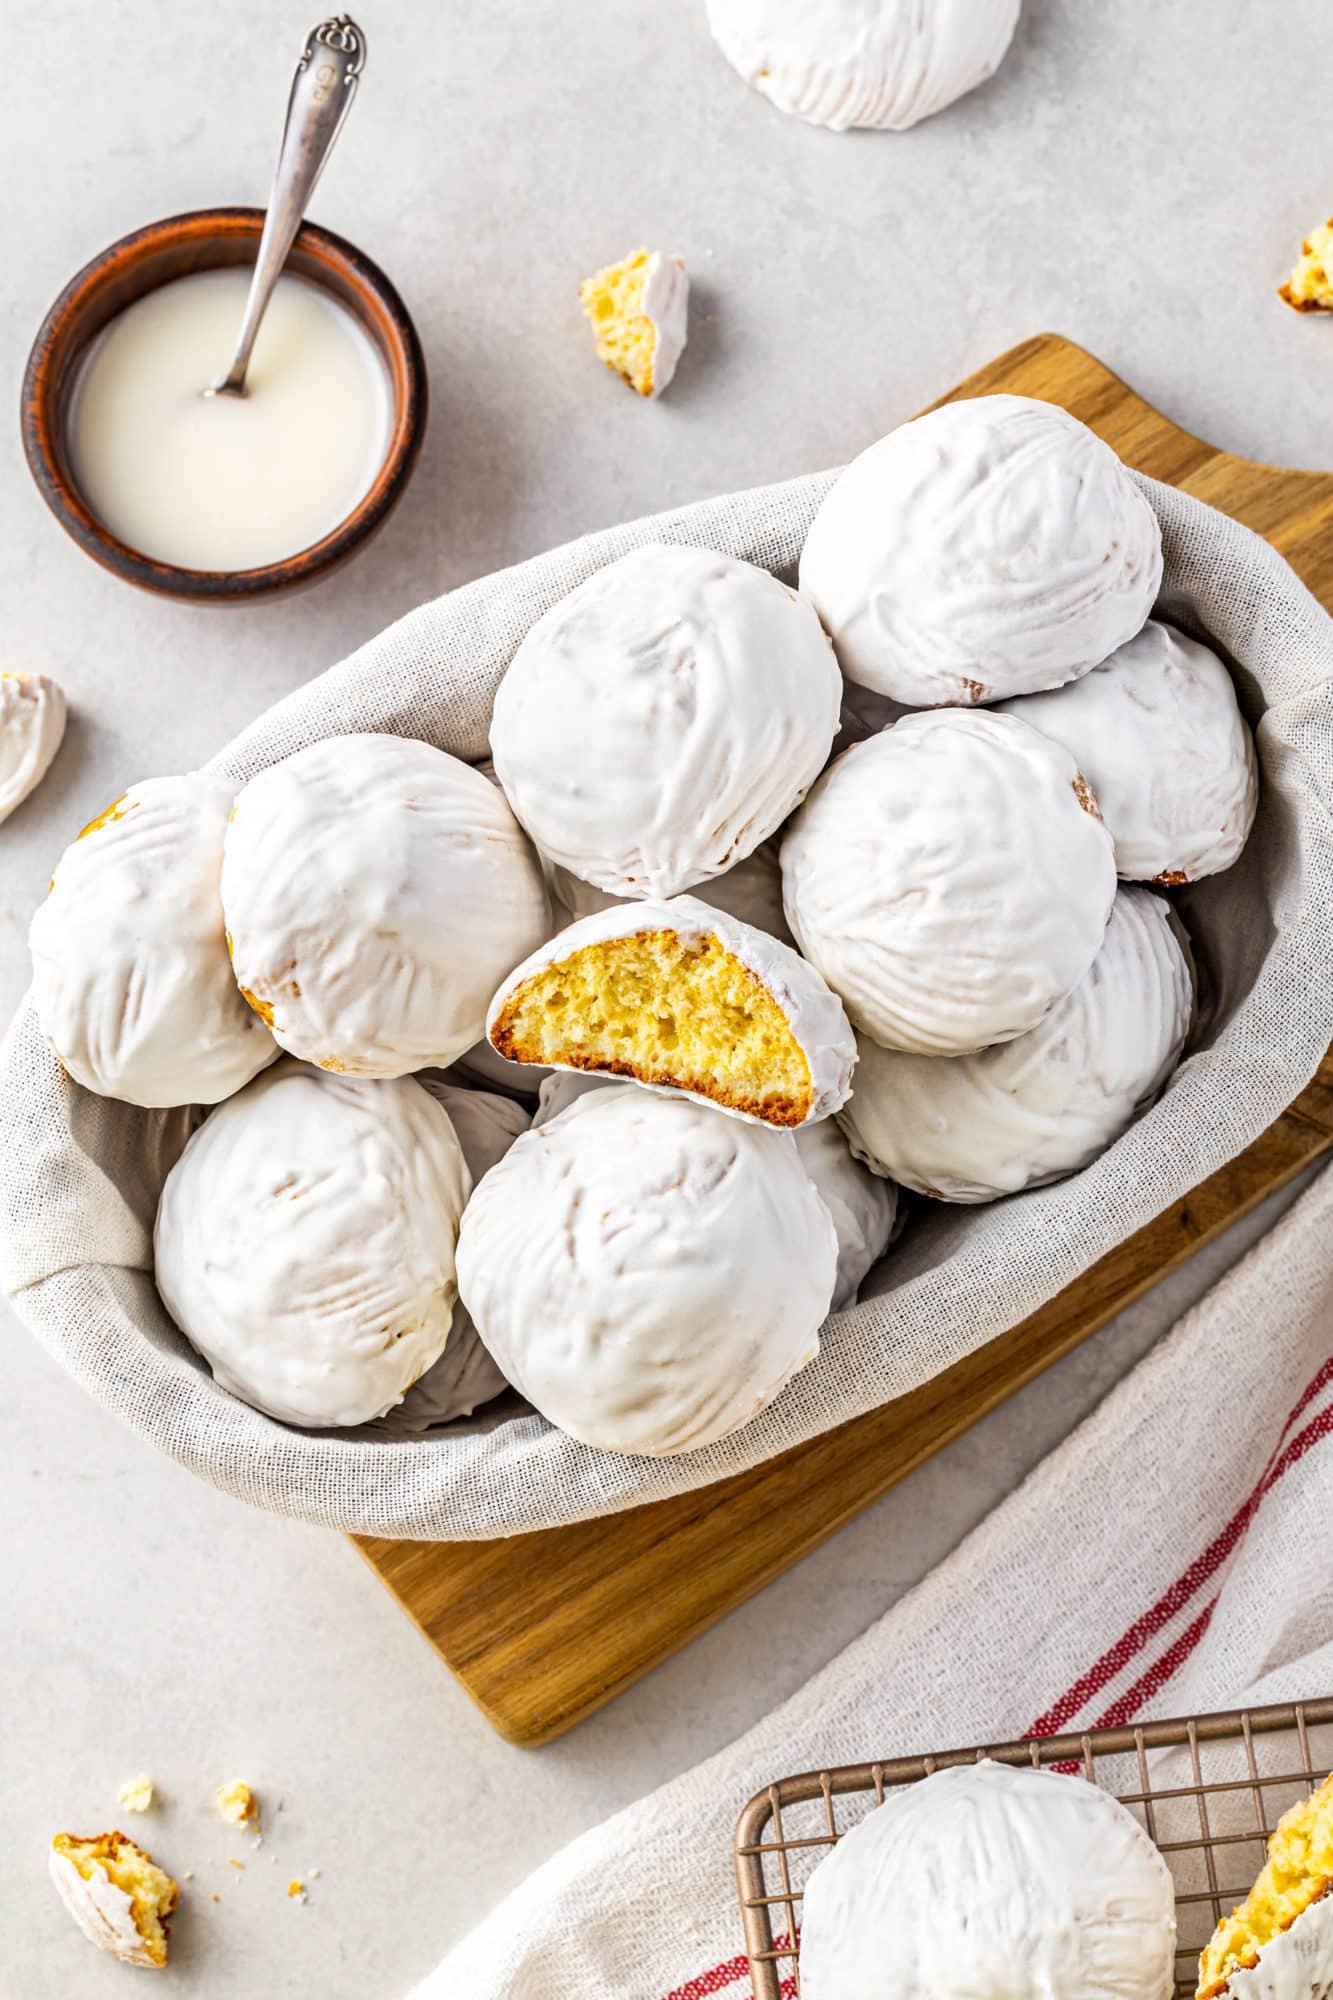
{"points": [[879, 63], [638, 310]]}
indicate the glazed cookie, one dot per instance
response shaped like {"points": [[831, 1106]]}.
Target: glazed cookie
{"points": [[32, 725], [863, 1205], [638, 310], [375, 891], [951, 878], [1278, 1943], [599, 1262], [1021, 1113], [881, 63], [117, 1895], [1158, 734], [682, 997], [130, 976], [664, 718], [991, 548], [994, 1881], [305, 1242]]}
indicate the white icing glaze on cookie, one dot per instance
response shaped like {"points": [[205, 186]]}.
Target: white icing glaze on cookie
{"points": [[130, 975], [600, 1263], [879, 63], [1021, 1113], [863, 1205], [101, 1909], [375, 889], [663, 719], [1158, 734], [305, 1242], [993, 1882], [990, 548], [814, 1014], [951, 879], [666, 303], [1297, 1964], [32, 724], [465, 1376]]}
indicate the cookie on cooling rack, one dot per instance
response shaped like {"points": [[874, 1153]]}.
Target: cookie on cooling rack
{"points": [[1278, 1943], [995, 1881]]}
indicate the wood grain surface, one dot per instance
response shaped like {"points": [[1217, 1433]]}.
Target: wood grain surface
{"points": [[543, 1629]]}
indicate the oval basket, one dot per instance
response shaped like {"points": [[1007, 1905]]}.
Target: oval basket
{"points": [[80, 1175]]}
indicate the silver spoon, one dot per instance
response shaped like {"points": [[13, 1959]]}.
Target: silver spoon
{"points": [[321, 97]]}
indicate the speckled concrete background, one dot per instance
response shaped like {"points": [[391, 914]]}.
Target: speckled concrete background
{"points": [[1137, 177]]}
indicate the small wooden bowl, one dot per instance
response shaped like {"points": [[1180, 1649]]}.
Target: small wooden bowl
{"points": [[203, 241]]}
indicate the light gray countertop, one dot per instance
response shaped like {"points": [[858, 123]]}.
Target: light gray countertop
{"points": [[1137, 177]]}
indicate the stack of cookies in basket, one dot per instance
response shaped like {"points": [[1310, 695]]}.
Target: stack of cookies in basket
{"points": [[944, 958]]}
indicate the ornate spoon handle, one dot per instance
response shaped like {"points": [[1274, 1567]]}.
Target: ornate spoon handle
{"points": [[321, 97]]}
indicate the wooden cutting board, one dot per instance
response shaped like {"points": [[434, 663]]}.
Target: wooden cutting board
{"points": [[543, 1629]]}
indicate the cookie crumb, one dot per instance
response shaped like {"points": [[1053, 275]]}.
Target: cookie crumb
{"points": [[238, 1804], [136, 1794], [296, 1890]]}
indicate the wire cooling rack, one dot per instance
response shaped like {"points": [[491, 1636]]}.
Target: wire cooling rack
{"points": [[1208, 1789]]}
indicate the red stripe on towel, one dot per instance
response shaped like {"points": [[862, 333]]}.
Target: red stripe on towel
{"points": [[1192, 1580], [721, 1976]]}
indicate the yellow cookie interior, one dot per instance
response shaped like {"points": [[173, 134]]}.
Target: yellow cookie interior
{"points": [[664, 1009], [152, 1893], [626, 337], [1299, 1870], [1310, 286]]}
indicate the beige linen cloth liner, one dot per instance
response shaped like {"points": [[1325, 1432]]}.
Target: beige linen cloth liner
{"points": [[80, 1175]]}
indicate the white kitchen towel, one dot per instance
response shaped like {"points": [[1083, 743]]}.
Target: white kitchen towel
{"points": [[1172, 1556], [80, 1175]]}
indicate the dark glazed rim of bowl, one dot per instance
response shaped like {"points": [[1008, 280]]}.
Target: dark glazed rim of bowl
{"points": [[209, 239]]}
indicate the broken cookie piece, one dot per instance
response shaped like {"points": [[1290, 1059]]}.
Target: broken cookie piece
{"points": [[117, 1895]]}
